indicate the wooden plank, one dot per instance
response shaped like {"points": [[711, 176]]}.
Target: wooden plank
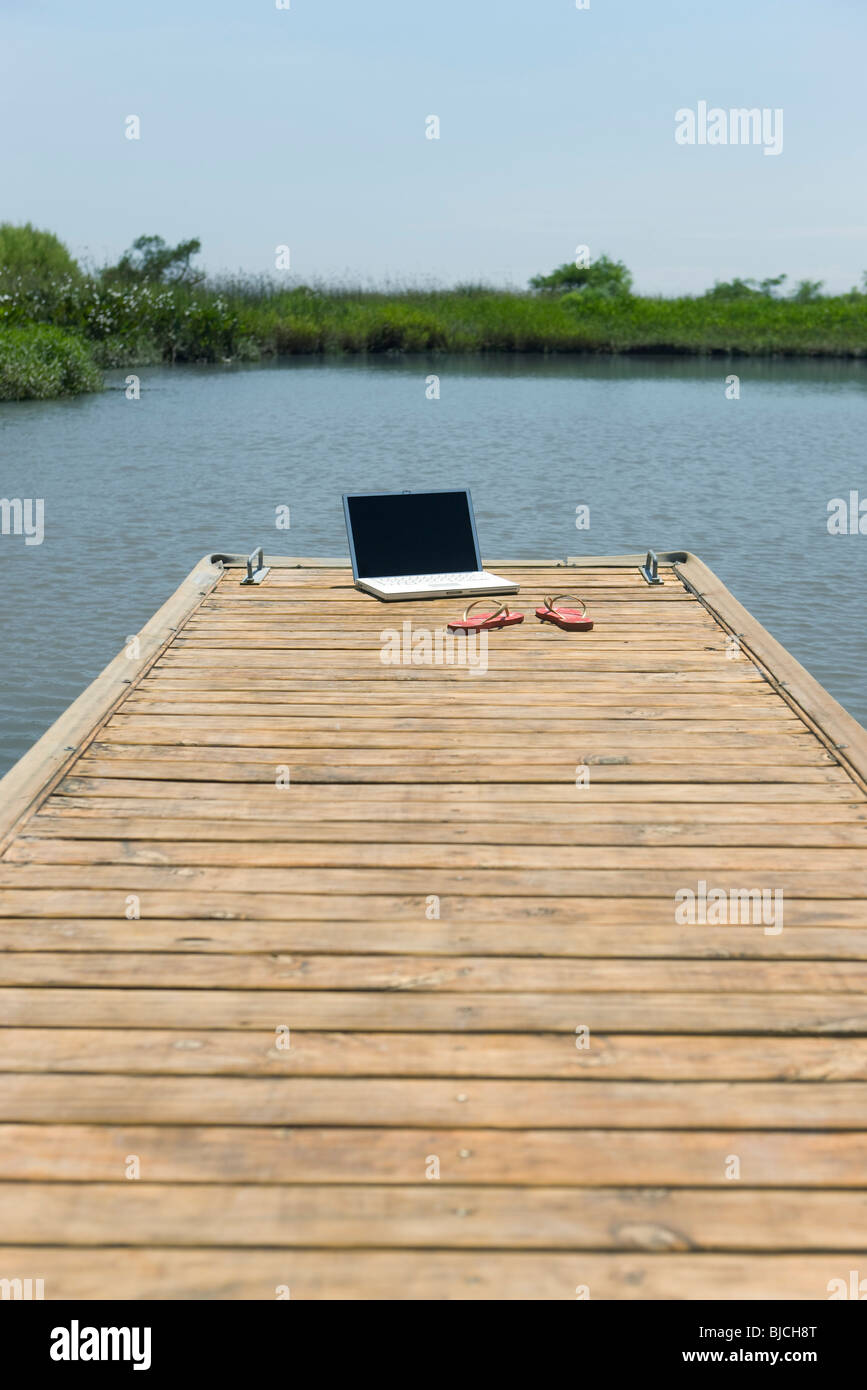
{"points": [[667, 744], [457, 974], [521, 836], [338, 591], [386, 1101], [691, 644], [408, 803], [687, 691], [583, 935], [428, 1012], [213, 709], [562, 913], [450, 974], [188, 1153], [838, 938], [463, 770], [428, 691], [677, 830], [430, 1275], [834, 786], [553, 763], [559, 669], [418, 854], [276, 634], [466, 882], [429, 1215], [213, 1052]]}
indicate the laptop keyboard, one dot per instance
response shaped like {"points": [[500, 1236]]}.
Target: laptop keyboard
{"points": [[415, 581]]}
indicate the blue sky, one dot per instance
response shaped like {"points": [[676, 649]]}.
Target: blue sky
{"points": [[306, 127]]}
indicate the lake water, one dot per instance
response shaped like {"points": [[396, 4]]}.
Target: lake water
{"points": [[136, 492]]}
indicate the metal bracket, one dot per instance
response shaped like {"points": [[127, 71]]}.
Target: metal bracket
{"points": [[256, 571], [649, 571]]}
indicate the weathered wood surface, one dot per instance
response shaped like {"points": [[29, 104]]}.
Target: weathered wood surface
{"points": [[467, 874]]}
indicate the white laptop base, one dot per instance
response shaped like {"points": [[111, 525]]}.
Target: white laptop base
{"points": [[405, 586]]}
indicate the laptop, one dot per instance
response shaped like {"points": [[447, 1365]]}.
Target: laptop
{"points": [[417, 545]]}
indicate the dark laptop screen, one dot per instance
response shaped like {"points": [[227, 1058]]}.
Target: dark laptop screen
{"points": [[412, 533]]}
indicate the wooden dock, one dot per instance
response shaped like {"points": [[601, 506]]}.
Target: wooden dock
{"points": [[511, 1072]]}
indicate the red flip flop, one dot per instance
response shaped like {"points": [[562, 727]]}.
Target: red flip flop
{"points": [[572, 619], [502, 616]]}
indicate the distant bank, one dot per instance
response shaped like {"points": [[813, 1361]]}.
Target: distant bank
{"points": [[60, 325]]}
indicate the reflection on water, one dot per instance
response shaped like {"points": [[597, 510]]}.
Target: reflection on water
{"points": [[137, 491]]}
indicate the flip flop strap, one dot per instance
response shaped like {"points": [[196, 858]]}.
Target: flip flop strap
{"points": [[551, 603], [500, 608]]}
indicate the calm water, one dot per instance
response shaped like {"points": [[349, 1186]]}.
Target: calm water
{"points": [[137, 491]]}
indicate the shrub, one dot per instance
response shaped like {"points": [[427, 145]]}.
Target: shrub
{"points": [[31, 260], [747, 289], [190, 325], [604, 277], [38, 362]]}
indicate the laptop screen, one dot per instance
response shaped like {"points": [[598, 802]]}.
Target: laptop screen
{"points": [[397, 533]]}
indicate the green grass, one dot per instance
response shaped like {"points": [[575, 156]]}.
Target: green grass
{"points": [[476, 320], [54, 336], [38, 362]]}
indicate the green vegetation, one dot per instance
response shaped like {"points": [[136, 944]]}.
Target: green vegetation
{"points": [[154, 306], [472, 320], [602, 277], [31, 260], [150, 261], [38, 362]]}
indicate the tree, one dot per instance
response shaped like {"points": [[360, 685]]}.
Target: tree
{"points": [[771, 283], [808, 291], [151, 261], [32, 259], [746, 289], [603, 277]]}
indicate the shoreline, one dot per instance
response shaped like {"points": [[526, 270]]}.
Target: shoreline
{"points": [[101, 330]]}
